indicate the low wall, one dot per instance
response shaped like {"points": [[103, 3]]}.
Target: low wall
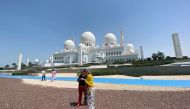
{"points": [[146, 70], [131, 71]]}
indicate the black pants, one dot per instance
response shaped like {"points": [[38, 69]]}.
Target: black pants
{"points": [[43, 78]]}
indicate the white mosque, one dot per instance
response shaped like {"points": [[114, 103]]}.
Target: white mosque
{"points": [[88, 52]]}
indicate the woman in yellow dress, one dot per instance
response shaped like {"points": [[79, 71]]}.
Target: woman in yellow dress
{"points": [[90, 90]]}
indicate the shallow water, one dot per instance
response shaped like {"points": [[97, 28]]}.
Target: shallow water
{"points": [[146, 82]]}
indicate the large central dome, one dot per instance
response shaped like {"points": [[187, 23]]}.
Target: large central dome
{"points": [[69, 44], [130, 46], [110, 38], [88, 38]]}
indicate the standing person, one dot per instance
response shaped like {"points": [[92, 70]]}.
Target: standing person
{"points": [[43, 75], [81, 87], [90, 91], [53, 75]]}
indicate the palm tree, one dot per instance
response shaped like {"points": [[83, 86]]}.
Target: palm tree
{"points": [[14, 65], [154, 56], [148, 59], [30, 64], [160, 55], [7, 66], [168, 57], [23, 65]]}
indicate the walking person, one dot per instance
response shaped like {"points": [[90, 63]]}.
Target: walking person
{"points": [[90, 90], [81, 87], [43, 75], [53, 75]]}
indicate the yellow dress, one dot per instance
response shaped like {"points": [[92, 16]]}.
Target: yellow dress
{"points": [[90, 80], [90, 91]]}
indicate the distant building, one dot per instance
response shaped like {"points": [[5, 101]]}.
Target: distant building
{"points": [[177, 46], [88, 52], [27, 61], [36, 61], [141, 52], [19, 61]]}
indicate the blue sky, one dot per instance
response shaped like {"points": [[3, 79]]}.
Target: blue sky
{"points": [[38, 28]]}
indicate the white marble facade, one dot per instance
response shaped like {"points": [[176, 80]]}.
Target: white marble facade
{"points": [[88, 52]]}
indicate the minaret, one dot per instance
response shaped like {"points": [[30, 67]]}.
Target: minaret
{"points": [[177, 46], [51, 59], [121, 38], [27, 61], [73, 38], [141, 52], [80, 59], [19, 61]]}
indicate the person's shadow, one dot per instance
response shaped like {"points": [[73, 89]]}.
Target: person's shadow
{"points": [[73, 104]]}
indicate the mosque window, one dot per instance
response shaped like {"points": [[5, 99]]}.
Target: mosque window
{"points": [[114, 53], [119, 52], [111, 53]]}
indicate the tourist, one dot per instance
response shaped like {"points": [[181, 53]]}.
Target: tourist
{"points": [[43, 75], [90, 91], [53, 75], [81, 87]]}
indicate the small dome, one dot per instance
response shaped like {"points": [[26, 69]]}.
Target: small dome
{"points": [[69, 44], [110, 38], [131, 51], [81, 45], [36, 60], [88, 37], [47, 61], [130, 46]]}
